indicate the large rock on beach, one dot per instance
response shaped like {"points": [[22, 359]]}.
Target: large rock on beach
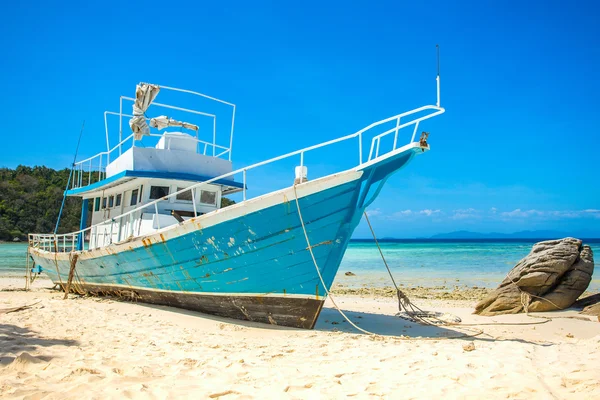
{"points": [[551, 277]]}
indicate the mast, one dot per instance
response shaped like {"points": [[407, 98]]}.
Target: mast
{"points": [[437, 47]]}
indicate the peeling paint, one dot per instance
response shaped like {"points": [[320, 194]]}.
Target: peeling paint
{"points": [[239, 280], [187, 275], [320, 244], [203, 259]]}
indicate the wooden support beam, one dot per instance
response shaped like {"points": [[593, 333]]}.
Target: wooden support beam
{"points": [[71, 273]]}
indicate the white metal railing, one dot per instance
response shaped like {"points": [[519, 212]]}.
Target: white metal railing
{"points": [[58, 243], [374, 153], [94, 168]]}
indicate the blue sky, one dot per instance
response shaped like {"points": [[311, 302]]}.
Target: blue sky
{"points": [[516, 150]]}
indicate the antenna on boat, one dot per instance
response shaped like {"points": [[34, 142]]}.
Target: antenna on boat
{"points": [[69, 180], [437, 47]]}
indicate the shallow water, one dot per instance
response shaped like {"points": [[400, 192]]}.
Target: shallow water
{"points": [[438, 263], [413, 262]]}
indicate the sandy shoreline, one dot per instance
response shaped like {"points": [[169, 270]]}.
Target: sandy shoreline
{"points": [[455, 292], [102, 348]]}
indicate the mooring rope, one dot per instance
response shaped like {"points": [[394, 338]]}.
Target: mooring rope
{"points": [[62, 206], [404, 304], [309, 246]]}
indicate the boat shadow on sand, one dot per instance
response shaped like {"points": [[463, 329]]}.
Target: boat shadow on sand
{"points": [[394, 326], [331, 321]]}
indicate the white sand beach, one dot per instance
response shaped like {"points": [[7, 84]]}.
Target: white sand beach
{"points": [[103, 348]]}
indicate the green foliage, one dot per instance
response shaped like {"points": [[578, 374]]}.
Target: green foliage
{"points": [[30, 198], [225, 202]]}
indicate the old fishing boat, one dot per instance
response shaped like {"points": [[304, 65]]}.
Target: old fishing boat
{"points": [[160, 234]]}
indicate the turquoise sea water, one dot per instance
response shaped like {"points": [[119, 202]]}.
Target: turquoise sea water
{"points": [[413, 262], [450, 263]]}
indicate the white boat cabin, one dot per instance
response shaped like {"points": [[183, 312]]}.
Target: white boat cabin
{"points": [[122, 198]]}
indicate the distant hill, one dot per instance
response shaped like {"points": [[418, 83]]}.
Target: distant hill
{"points": [[540, 234]]}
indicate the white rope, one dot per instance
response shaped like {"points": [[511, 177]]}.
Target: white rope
{"points": [[319, 271]]}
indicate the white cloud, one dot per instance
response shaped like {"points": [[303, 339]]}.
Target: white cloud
{"points": [[518, 213], [410, 213], [493, 214], [465, 213], [374, 213], [405, 213], [428, 212]]}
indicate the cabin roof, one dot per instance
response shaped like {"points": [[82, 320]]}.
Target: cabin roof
{"points": [[128, 175]]}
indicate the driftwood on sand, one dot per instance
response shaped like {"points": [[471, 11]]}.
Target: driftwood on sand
{"points": [[551, 277], [15, 309]]}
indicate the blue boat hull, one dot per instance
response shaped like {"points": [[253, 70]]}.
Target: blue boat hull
{"points": [[248, 261]]}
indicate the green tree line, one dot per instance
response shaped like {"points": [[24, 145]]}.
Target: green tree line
{"points": [[30, 199]]}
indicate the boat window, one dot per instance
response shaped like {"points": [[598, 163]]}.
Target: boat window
{"points": [[97, 204], [134, 197], [141, 193], [207, 197], [118, 200], [111, 201], [185, 196], [156, 192], [103, 203]]}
